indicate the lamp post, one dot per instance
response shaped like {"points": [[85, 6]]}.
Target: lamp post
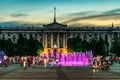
{"points": [[109, 48]]}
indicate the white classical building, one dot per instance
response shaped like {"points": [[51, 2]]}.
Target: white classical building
{"points": [[56, 35]]}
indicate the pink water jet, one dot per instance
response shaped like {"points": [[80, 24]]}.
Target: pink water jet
{"points": [[71, 59]]}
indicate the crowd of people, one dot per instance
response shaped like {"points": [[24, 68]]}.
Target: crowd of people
{"points": [[29, 61], [103, 62], [99, 62]]}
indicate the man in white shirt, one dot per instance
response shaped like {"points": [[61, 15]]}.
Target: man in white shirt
{"points": [[5, 57], [5, 60]]}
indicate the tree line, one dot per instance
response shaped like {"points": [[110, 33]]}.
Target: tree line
{"points": [[98, 47], [23, 46], [33, 47]]}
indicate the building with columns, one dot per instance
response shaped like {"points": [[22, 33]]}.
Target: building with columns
{"points": [[54, 36]]}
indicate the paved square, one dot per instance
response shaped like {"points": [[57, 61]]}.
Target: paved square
{"points": [[59, 73]]}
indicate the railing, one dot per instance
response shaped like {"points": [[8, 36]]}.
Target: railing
{"points": [[24, 27]]}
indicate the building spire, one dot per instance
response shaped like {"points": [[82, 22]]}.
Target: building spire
{"points": [[112, 25], [54, 14]]}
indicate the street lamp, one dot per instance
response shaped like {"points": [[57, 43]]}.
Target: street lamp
{"points": [[55, 46], [109, 48]]}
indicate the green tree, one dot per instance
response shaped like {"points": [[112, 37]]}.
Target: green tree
{"points": [[21, 45], [115, 46], [33, 47], [98, 47], [85, 45], [7, 46], [28, 46], [101, 47], [74, 44], [93, 45]]}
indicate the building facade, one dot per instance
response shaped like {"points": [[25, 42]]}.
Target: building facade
{"points": [[54, 36]]}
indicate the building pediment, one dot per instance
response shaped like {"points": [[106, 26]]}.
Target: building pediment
{"points": [[55, 25]]}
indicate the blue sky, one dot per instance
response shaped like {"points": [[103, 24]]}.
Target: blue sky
{"points": [[71, 12]]}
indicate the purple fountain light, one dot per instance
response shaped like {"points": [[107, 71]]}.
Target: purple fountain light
{"points": [[72, 59]]}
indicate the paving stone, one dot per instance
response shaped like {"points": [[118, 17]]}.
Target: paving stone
{"points": [[60, 73]]}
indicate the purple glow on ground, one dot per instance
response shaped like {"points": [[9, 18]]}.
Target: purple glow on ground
{"points": [[74, 59]]}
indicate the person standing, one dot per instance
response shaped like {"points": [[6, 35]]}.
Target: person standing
{"points": [[119, 60], [45, 62], [33, 62], [25, 63], [5, 60], [28, 61]]}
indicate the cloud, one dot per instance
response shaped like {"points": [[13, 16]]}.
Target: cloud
{"points": [[107, 16], [17, 15], [99, 17], [19, 23], [113, 11], [82, 13], [1, 18]]}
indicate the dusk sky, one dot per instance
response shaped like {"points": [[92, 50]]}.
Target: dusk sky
{"points": [[70, 12]]}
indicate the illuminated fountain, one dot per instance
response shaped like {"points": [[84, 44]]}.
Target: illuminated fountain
{"points": [[71, 59]]}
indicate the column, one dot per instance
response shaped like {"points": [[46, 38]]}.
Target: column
{"points": [[63, 40], [109, 38], [66, 40], [87, 37], [103, 36], [117, 34], [58, 40], [112, 35], [98, 36], [46, 40], [81, 36], [51, 40], [43, 39], [109, 41]]}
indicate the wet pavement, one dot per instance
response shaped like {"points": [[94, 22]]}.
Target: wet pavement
{"points": [[15, 72]]}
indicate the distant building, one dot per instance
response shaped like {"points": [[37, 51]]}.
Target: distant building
{"points": [[54, 36]]}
